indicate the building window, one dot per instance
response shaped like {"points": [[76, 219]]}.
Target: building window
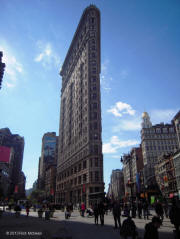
{"points": [[158, 130], [84, 178], [91, 176], [94, 96], [96, 176], [84, 164], [96, 162], [75, 181], [94, 105], [79, 167], [79, 179], [75, 169], [171, 130], [95, 149]]}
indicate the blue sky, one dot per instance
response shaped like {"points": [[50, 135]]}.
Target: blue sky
{"points": [[140, 57]]}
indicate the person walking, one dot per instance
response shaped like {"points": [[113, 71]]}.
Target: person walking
{"points": [[174, 215], [159, 210], [133, 210], [151, 228], [166, 209], [96, 214], [83, 208], [27, 209], [101, 212], [139, 209], [145, 210], [116, 214]]}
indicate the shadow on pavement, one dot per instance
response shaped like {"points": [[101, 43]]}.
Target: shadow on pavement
{"points": [[37, 228]]}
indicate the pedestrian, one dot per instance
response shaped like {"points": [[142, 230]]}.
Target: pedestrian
{"points": [[151, 229], [128, 229], [17, 210], [27, 210], [101, 212], [126, 210], [96, 213], [117, 214], [133, 210], [159, 210], [166, 209], [139, 209], [83, 208], [174, 215], [145, 210]]}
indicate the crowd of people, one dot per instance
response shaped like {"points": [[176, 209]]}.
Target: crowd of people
{"points": [[130, 210], [141, 210]]}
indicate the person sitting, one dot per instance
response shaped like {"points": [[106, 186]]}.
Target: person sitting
{"points": [[128, 229], [89, 211], [151, 228]]}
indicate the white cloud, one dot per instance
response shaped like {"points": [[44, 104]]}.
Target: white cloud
{"points": [[47, 55], [13, 67], [105, 78], [121, 108], [115, 144], [158, 116]]}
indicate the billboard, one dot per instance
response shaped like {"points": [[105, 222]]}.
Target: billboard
{"points": [[5, 154]]}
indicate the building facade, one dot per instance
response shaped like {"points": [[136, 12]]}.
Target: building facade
{"points": [[116, 190], [80, 160], [176, 121], [21, 186], [15, 142], [49, 154], [176, 158], [133, 173], [156, 140], [50, 182], [2, 67], [165, 176]]}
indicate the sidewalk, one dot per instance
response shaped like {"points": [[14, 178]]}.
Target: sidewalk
{"points": [[29, 227]]}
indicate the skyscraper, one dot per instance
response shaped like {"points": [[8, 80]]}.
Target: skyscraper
{"points": [[48, 156], [80, 159]]}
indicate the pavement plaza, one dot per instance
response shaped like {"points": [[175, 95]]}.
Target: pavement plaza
{"points": [[76, 227]]}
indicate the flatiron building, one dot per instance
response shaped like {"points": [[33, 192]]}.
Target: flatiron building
{"points": [[80, 159]]}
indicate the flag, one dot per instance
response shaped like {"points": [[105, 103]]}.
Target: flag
{"points": [[138, 183], [16, 189], [5, 154], [52, 191], [84, 188]]}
